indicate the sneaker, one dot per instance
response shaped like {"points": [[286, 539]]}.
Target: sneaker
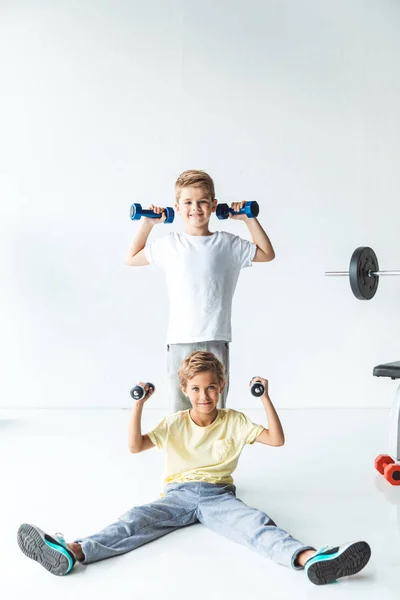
{"points": [[49, 551], [331, 562]]}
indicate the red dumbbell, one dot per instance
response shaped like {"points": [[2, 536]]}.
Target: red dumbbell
{"points": [[388, 468]]}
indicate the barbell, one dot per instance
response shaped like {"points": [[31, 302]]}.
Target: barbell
{"points": [[363, 273]]}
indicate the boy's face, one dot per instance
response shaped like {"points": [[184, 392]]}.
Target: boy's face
{"points": [[195, 207], [203, 391]]}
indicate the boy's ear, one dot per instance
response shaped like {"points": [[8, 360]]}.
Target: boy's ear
{"points": [[183, 390], [223, 384], [214, 205]]}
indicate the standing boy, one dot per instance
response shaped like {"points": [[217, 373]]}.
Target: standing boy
{"points": [[201, 269]]}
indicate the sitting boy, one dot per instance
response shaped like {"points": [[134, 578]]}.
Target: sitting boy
{"points": [[202, 445]]}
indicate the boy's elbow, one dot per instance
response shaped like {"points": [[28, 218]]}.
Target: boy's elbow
{"points": [[265, 255], [279, 441], [134, 449], [270, 256]]}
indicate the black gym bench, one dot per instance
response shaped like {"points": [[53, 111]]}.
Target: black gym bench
{"points": [[389, 465]]}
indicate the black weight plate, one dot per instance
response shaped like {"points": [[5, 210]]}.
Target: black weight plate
{"points": [[257, 389], [222, 211], [137, 392], [363, 261], [255, 209]]}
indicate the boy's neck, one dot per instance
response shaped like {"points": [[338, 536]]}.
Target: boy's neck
{"points": [[198, 231], [203, 420]]}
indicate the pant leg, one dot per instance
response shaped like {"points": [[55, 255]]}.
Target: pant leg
{"points": [[141, 525], [221, 511]]}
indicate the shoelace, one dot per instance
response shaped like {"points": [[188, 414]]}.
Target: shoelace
{"points": [[60, 537]]}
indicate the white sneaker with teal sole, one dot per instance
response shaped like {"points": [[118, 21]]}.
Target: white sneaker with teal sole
{"points": [[49, 551], [331, 562]]}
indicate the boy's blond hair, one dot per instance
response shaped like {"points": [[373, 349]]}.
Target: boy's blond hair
{"points": [[195, 179], [199, 362]]}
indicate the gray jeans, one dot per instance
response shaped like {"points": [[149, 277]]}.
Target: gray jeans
{"points": [[213, 505], [175, 355]]}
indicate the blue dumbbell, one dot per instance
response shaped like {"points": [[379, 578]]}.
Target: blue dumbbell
{"points": [[257, 389], [250, 209], [138, 392], [137, 212]]}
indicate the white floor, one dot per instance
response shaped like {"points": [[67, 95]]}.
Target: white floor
{"points": [[71, 471]]}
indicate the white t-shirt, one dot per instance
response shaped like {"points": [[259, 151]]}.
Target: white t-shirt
{"points": [[201, 273]]}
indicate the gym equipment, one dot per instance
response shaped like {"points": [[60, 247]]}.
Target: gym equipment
{"points": [[257, 389], [251, 209], [363, 272], [137, 212], [386, 465], [138, 392]]}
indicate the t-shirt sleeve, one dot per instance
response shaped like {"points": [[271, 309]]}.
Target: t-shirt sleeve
{"points": [[156, 251], [243, 251], [159, 434], [249, 430]]}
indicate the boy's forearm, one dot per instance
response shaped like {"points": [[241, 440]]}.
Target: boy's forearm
{"points": [[274, 424], [140, 239], [135, 428], [260, 238]]}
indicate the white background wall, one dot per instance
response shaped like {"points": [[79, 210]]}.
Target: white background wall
{"points": [[293, 104]]}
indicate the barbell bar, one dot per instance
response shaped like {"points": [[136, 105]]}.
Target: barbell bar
{"points": [[363, 273], [346, 273]]}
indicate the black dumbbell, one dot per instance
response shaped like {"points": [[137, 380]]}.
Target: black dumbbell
{"points": [[137, 212], [251, 209], [257, 389], [138, 392]]}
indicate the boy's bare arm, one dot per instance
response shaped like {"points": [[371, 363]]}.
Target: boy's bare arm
{"points": [[273, 436], [136, 441], [265, 251], [136, 256]]}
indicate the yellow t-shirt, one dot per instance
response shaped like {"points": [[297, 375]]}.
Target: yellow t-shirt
{"points": [[209, 453]]}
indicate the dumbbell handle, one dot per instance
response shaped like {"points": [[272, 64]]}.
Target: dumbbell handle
{"points": [[150, 214], [242, 211], [235, 212]]}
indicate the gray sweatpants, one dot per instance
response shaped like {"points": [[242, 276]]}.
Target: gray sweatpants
{"points": [[175, 355]]}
